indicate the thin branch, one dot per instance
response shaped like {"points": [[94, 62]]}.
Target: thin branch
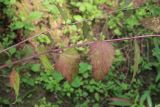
{"points": [[4, 76], [4, 50], [79, 45]]}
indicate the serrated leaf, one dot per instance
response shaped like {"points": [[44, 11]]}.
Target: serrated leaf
{"points": [[15, 81], [67, 63], [152, 23], [101, 55]]}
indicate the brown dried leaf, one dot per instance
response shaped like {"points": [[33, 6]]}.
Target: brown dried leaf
{"points": [[101, 55], [14, 79], [67, 63], [152, 23], [138, 3]]}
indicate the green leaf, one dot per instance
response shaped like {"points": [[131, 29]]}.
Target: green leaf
{"points": [[132, 21], [77, 17], [84, 67], [22, 16], [85, 75], [53, 9], [149, 101], [158, 105], [97, 97], [44, 39], [28, 80], [8, 2], [12, 51], [35, 15], [57, 76], [144, 97], [44, 59], [154, 9], [29, 26], [35, 67], [76, 82], [120, 103], [117, 31], [17, 25]]}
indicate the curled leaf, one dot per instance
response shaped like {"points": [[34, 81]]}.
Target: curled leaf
{"points": [[67, 63], [14, 79], [101, 55]]}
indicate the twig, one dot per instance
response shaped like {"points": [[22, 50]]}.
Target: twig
{"points": [[5, 76], [79, 45], [4, 50]]}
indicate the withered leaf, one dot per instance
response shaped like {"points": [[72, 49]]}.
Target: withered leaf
{"points": [[138, 3], [152, 23], [67, 63], [14, 79], [101, 55]]}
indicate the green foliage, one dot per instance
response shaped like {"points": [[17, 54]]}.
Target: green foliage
{"points": [[26, 22], [83, 87], [36, 67], [120, 103], [142, 58], [8, 2], [44, 39], [88, 8], [44, 103], [44, 59]]}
